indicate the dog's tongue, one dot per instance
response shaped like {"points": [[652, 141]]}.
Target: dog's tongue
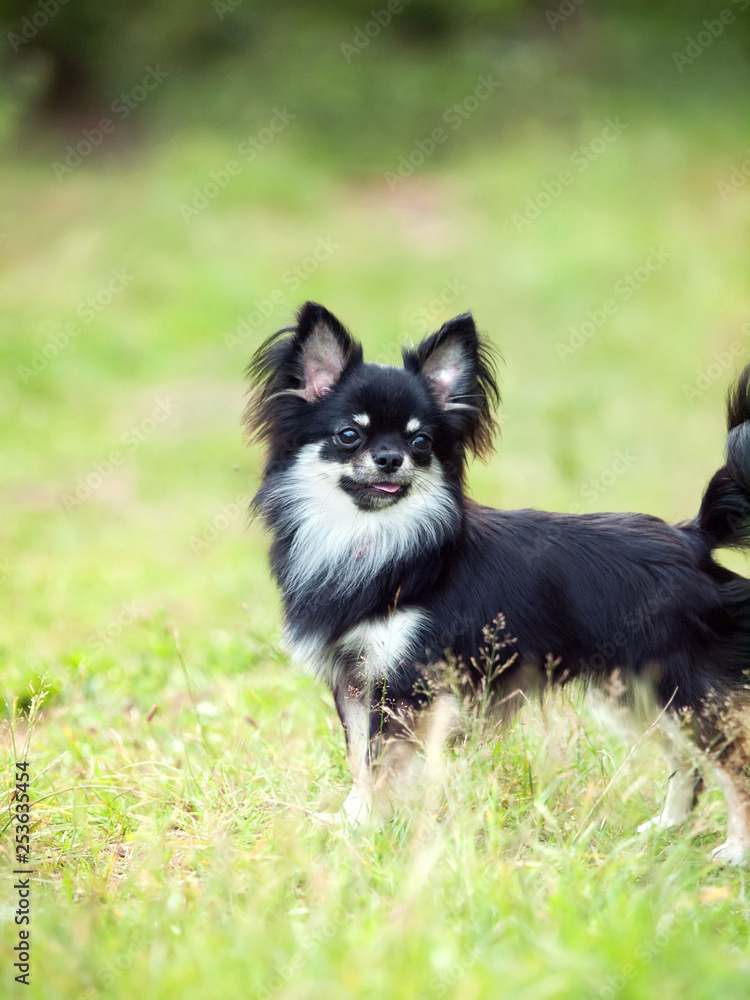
{"points": [[386, 487]]}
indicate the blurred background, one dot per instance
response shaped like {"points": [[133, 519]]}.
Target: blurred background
{"points": [[177, 179]]}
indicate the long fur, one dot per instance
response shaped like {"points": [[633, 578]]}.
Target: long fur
{"points": [[373, 597], [724, 516]]}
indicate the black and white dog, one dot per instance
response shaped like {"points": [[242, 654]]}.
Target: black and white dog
{"points": [[386, 567]]}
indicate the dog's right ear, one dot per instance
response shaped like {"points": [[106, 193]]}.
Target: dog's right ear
{"points": [[304, 362], [323, 350]]}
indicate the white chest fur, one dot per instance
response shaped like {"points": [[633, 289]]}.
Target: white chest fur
{"points": [[375, 649], [339, 546]]}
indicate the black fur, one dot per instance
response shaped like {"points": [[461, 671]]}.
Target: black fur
{"points": [[724, 515], [580, 595]]}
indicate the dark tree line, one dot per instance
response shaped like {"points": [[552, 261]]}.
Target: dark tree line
{"points": [[81, 51]]}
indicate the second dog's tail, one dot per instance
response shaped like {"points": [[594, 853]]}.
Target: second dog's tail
{"points": [[724, 515]]}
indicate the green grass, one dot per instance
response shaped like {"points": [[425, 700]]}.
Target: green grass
{"points": [[175, 852]]}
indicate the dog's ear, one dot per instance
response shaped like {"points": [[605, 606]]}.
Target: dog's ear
{"points": [[448, 360], [324, 350], [458, 367], [301, 362]]}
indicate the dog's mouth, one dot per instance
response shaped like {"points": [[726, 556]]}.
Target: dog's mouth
{"points": [[371, 495], [386, 487]]}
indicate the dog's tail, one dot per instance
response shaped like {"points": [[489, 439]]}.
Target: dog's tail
{"points": [[724, 516]]}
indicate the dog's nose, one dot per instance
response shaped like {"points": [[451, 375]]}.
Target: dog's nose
{"points": [[388, 461]]}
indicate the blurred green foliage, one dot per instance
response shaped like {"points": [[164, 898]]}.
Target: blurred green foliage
{"points": [[138, 272], [361, 75]]}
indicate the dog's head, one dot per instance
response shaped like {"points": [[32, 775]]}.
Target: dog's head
{"points": [[375, 432]]}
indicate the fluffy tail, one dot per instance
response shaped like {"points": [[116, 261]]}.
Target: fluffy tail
{"points": [[724, 515]]}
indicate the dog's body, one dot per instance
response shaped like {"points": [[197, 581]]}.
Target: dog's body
{"points": [[385, 567]]}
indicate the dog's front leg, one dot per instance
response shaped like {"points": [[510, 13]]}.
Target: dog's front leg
{"points": [[382, 743], [354, 711]]}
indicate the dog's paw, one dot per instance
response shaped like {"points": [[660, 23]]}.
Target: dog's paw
{"points": [[332, 821], [731, 853], [650, 824], [354, 813], [658, 821]]}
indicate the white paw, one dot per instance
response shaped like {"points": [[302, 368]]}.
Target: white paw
{"points": [[338, 821], [730, 853], [329, 819], [354, 812], [661, 820], [650, 824]]}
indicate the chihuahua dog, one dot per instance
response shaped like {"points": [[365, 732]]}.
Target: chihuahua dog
{"points": [[387, 570]]}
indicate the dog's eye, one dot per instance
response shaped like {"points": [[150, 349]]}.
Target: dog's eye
{"points": [[348, 438], [421, 443]]}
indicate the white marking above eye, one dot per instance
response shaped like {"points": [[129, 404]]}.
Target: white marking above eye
{"points": [[413, 426], [362, 419]]}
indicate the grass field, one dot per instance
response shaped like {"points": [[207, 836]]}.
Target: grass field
{"points": [[176, 756]]}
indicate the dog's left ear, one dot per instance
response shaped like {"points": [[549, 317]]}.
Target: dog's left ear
{"points": [[448, 360], [458, 366]]}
